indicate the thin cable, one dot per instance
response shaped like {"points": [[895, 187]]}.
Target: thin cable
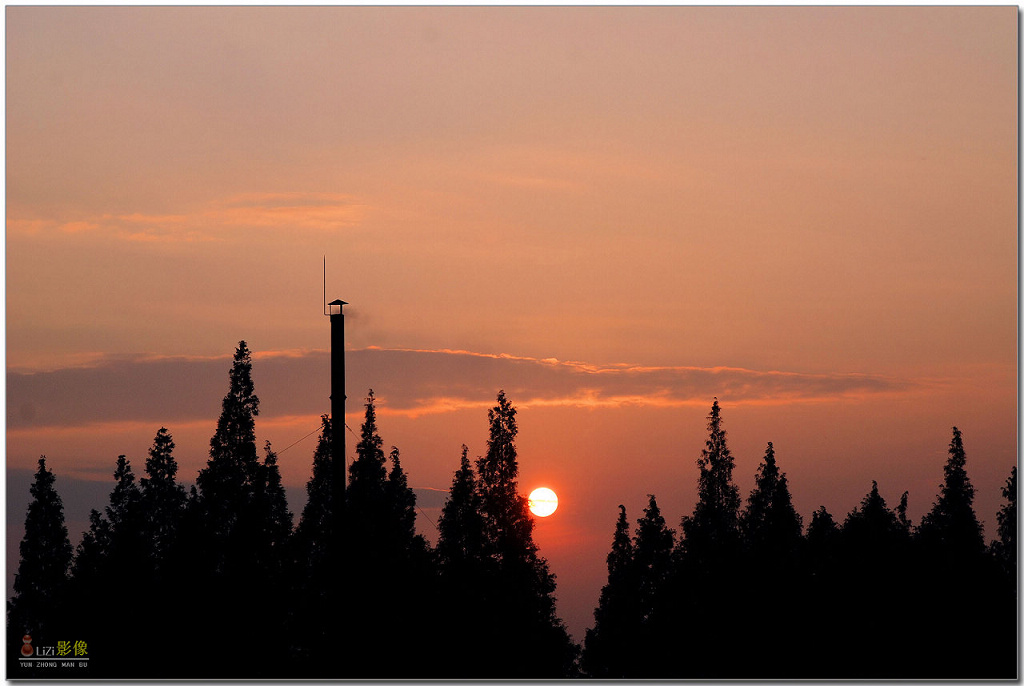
{"points": [[425, 488], [427, 518], [300, 440]]}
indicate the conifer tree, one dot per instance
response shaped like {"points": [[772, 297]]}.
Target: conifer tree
{"points": [[90, 561], [713, 529], [163, 498], [460, 542], [952, 525], [402, 502], [609, 647], [367, 477], [226, 485], [128, 549], [872, 526], [41, 580], [313, 534], [312, 631], [770, 525], [652, 555], [822, 534], [522, 589], [507, 521], [1006, 545], [273, 505]]}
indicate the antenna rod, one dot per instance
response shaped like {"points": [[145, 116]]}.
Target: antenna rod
{"points": [[325, 284]]}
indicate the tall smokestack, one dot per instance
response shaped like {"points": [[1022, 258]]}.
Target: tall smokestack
{"points": [[337, 413]]}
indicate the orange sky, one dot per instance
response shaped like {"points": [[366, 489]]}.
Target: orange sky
{"points": [[616, 214]]}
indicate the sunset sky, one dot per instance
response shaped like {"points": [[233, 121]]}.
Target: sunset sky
{"points": [[614, 214]]}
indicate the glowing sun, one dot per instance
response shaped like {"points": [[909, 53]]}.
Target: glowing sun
{"points": [[543, 502]]}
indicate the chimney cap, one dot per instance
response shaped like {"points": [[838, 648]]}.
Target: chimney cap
{"points": [[337, 302]]}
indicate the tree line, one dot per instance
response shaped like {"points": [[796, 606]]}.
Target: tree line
{"points": [[744, 593], [216, 582], [220, 582]]}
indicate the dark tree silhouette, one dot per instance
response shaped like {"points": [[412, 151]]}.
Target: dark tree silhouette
{"points": [[610, 647], [116, 559], [312, 630], [389, 581], [313, 534], [524, 635], [770, 525], [231, 550], [952, 525], [652, 556], [1006, 545], [163, 498], [40, 584], [226, 486], [713, 529], [402, 505], [822, 538], [772, 535], [705, 574], [460, 543], [464, 567]]}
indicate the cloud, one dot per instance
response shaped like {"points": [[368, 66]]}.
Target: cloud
{"points": [[321, 212], [295, 383]]}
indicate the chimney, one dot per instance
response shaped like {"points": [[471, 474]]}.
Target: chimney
{"points": [[337, 411]]}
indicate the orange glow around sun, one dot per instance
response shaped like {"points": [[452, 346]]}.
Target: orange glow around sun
{"points": [[543, 502]]}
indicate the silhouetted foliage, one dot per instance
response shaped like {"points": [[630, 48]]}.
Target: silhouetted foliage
{"points": [[952, 525], [402, 506], [713, 529], [460, 543], [770, 525], [1006, 545], [40, 584], [610, 647], [235, 529], [313, 534], [520, 635], [163, 499], [740, 595], [652, 555]]}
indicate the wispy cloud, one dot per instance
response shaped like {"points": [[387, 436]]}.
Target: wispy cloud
{"points": [[409, 382], [212, 222]]}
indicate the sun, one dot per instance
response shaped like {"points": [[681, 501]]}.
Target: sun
{"points": [[543, 502]]}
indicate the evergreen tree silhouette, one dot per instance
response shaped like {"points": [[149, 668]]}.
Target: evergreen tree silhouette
{"points": [[770, 525], [610, 647], [226, 486], [366, 512], [115, 559], [652, 556], [313, 534], [390, 582], [40, 583], [822, 539], [952, 526], [706, 574], [464, 567], [1006, 545], [874, 572], [402, 501], [713, 529], [528, 637], [235, 526], [163, 498], [954, 565], [310, 624], [460, 544]]}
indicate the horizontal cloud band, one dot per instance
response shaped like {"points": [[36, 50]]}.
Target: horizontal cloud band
{"points": [[412, 382]]}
